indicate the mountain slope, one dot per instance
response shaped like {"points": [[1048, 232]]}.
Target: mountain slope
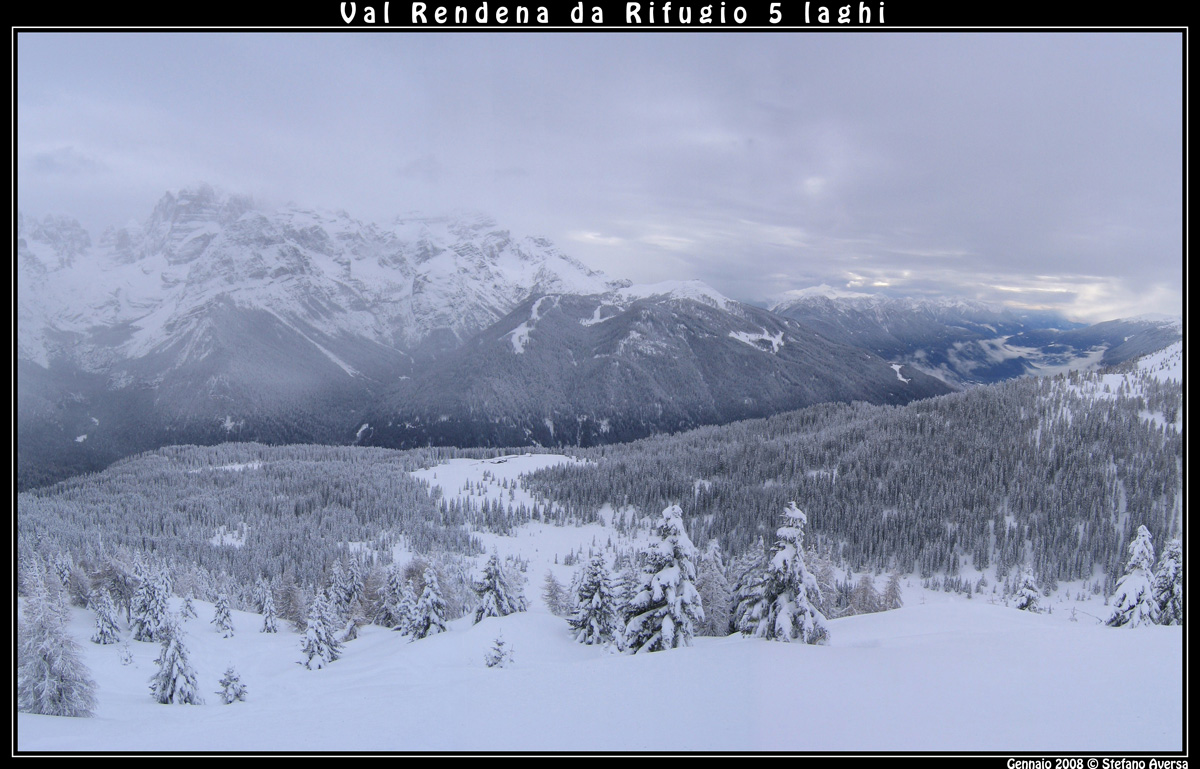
{"points": [[970, 342], [215, 320], [564, 369]]}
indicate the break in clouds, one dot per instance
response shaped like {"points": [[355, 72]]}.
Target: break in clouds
{"points": [[1037, 170]]}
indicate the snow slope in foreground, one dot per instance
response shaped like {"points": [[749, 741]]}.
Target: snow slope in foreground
{"points": [[942, 674], [948, 675]]}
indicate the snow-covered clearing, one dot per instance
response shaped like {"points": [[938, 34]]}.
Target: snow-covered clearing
{"points": [[497, 479], [519, 336], [759, 341], [1166, 365]]}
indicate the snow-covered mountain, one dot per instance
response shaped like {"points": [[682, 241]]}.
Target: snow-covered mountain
{"points": [[580, 370], [965, 342], [322, 275], [216, 319]]}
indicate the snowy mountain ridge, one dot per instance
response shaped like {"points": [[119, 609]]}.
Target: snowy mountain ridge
{"points": [[396, 285], [966, 342]]}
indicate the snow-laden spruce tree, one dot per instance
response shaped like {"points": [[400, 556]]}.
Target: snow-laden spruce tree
{"points": [[221, 617], [390, 613], [175, 681], [1168, 585], [431, 609], [150, 606], [665, 610], [750, 571], [320, 645], [1027, 596], [347, 590], [595, 618], [892, 597], [232, 688], [270, 625], [107, 631], [555, 595], [407, 612], [787, 608], [496, 596], [188, 609], [1133, 599], [715, 593], [52, 679], [498, 656], [865, 599]]}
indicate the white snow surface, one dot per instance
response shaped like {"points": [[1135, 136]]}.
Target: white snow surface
{"points": [[677, 289], [755, 340], [1164, 365], [824, 290], [519, 336], [950, 675], [487, 477], [943, 674]]}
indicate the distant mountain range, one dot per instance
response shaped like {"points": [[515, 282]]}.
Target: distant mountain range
{"points": [[215, 320], [965, 343], [574, 369]]}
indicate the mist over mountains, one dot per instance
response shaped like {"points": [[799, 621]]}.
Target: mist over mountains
{"points": [[214, 320]]}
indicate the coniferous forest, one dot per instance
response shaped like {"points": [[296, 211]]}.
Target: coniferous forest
{"points": [[1053, 473]]}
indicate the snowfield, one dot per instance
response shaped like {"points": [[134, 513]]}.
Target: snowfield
{"points": [[948, 675], [943, 674]]}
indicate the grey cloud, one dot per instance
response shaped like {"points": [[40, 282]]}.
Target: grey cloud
{"points": [[757, 163], [65, 160]]}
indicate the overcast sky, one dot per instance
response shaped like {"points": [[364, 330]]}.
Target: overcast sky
{"points": [[1041, 170]]}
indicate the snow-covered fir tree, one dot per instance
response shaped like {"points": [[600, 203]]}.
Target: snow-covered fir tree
{"points": [[595, 619], [346, 590], [270, 624], [1168, 585], [232, 688], [188, 609], [1133, 599], [261, 588], [52, 678], [496, 596], [61, 566], [349, 630], [787, 609], [107, 631], [221, 617], [749, 570], [150, 604], [555, 595], [431, 609], [665, 610], [320, 645], [715, 593], [1027, 595], [499, 655], [407, 611], [175, 681], [821, 567], [865, 599], [625, 586], [892, 598], [390, 613]]}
